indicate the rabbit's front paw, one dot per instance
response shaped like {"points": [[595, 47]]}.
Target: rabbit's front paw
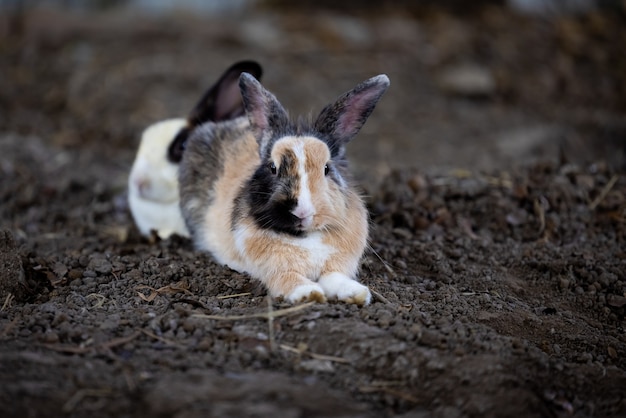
{"points": [[341, 287], [307, 293]]}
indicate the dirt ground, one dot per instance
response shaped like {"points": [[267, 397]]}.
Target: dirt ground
{"points": [[495, 175]]}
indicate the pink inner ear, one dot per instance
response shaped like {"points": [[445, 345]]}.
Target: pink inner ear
{"points": [[356, 110], [256, 106]]}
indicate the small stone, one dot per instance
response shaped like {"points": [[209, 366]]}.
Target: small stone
{"points": [[612, 352], [90, 273], [467, 80], [74, 274], [100, 265], [401, 264], [316, 365], [616, 300], [50, 337]]}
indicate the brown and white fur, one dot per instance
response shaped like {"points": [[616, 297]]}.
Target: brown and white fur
{"points": [[272, 198], [153, 194]]}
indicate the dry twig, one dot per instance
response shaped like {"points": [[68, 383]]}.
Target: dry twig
{"points": [[379, 296], [605, 191], [393, 392], [156, 337], [314, 355], [170, 288], [541, 214], [265, 315], [270, 324], [7, 301], [236, 295]]}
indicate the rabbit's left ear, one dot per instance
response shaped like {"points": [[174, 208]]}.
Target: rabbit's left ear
{"points": [[267, 116], [342, 120], [223, 100]]}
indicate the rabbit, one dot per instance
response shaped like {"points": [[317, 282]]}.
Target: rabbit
{"points": [[153, 181], [273, 198]]}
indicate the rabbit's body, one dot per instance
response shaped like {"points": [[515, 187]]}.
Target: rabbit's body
{"points": [[153, 194], [273, 199]]}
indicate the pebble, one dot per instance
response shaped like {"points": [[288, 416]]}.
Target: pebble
{"points": [[100, 265], [74, 274], [316, 365], [616, 300], [467, 80], [50, 337]]}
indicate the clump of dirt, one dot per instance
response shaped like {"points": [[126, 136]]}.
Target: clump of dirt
{"points": [[499, 292]]}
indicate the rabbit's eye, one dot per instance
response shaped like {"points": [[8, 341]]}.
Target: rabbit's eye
{"points": [[326, 169], [273, 168]]}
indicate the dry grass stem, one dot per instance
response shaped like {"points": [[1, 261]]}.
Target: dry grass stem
{"points": [[605, 191], [179, 287], [236, 295], [270, 324], [265, 315], [379, 297], [395, 393], [541, 214], [156, 337], [316, 356], [100, 299], [7, 301]]}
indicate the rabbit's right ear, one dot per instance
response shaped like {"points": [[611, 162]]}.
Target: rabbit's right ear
{"points": [[220, 102], [267, 116]]}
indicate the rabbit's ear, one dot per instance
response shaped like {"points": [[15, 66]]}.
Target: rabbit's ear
{"points": [[342, 120], [265, 112], [223, 100]]}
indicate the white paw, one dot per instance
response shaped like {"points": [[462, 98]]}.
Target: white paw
{"points": [[307, 292], [341, 287]]}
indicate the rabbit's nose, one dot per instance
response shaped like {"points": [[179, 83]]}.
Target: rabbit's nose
{"points": [[143, 186], [303, 211], [304, 205]]}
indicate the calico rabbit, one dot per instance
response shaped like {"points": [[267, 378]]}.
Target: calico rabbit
{"points": [[153, 182], [272, 197]]}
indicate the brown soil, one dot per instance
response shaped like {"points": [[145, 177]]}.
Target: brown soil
{"points": [[498, 242]]}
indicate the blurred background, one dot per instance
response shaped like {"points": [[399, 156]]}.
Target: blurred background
{"points": [[480, 86]]}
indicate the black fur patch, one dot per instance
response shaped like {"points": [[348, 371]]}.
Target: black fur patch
{"points": [[178, 145], [270, 199]]}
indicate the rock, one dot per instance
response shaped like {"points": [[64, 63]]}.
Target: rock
{"points": [[467, 80], [616, 300], [529, 143], [316, 365], [100, 265]]}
